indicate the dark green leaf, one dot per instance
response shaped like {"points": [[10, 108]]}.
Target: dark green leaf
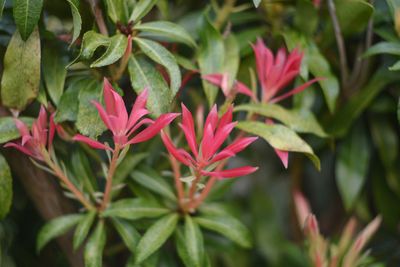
{"points": [[352, 165], [127, 165], [88, 120], [155, 237], [227, 226], [398, 111], [280, 137], [21, 75], [81, 167], [93, 253], [2, 3], [211, 56], [343, 119], [127, 232], [116, 49], [83, 228], [142, 75], [194, 242], [54, 72], [152, 181], [55, 228], [395, 66], [299, 121], [169, 30], [8, 131], [163, 57], [115, 10], [26, 15], [76, 19], [5, 187], [134, 209], [90, 42], [142, 7], [67, 109], [383, 48]]}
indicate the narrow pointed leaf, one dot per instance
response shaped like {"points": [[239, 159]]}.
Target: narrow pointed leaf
{"points": [[280, 137], [83, 228], [163, 57], [55, 228], [76, 19], [115, 10], [134, 209], [168, 30], [211, 56], [155, 237], [21, 75], [26, 14], [142, 7], [5, 187], [127, 232], [299, 121], [152, 181], [93, 253], [194, 242], [227, 226]]}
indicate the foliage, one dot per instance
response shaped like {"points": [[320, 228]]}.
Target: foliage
{"points": [[145, 113]]}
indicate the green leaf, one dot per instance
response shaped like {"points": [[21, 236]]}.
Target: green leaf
{"points": [[94, 248], [231, 59], [383, 48], [141, 9], [127, 165], [227, 226], [320, 67], [299, 121], [8, 131], [170, 31], [181, 247], [76, 19], [152, 181], [115, 10], [280, 137], [134, 209], [26, 15], [127, 232], [155, 237], [54, 72], [116, 49], [21, 75], [162, 56], [194, 242], [88, 120], [395, 66], [90, 42], [83, 228], [5, 187], [55, 228], [2, 3], [81, 169], [67, 109], [142, 75], [352, 165], [344, 118], [210, 57]]}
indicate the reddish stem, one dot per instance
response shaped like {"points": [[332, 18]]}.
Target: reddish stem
{"points": [[178, 182], [110, 175]]}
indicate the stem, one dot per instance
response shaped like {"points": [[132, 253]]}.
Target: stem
{"points": [[98, 16], [224, 13], [193, 187], [339, 42], [71, 187], [119, 71], [204, 193], [178, 182], [110, 175]]}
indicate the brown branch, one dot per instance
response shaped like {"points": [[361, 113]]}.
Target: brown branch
{"points": [[98, 16]]}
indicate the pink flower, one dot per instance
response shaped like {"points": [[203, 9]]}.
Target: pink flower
{"points": [[34, 142], [122, 126], [202, 157]]}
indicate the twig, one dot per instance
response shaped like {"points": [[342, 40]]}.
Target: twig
{"points": [[340, 43], [178, 182], [98, 16], [224, 13], [110, 175]]}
